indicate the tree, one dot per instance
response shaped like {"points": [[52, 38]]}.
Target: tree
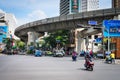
{"points": [[20, 44], [61, 35], [8, 42]]}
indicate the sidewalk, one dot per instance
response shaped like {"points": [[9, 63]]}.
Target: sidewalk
{"points": [[2, 54], [117, 61]]}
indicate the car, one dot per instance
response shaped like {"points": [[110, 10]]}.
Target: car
{"points": [[22, 52], [82, 54], [100, 55], [38, 53], [59, 53], [48, 53]]}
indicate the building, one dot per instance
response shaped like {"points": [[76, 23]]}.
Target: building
{"points": [[115, 41], [89, 5], [75, 6], [64, 7], [7, 24], [115, 3]]}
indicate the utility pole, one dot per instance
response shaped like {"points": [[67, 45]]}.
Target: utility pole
{"points": [[108, 41]]}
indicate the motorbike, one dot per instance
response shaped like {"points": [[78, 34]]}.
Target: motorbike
{"points": [[89, 65], [74, 58], [108, 60]]}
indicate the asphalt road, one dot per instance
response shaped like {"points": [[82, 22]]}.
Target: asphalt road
{"points": [[22, 67]]}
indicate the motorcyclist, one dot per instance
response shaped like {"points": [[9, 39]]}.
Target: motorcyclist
{"points": [[87, 59], [74, 55], [112, 55], [108, 58]]}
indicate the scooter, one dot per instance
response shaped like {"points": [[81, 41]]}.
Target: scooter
{"points": [[89, 65], [74, 58], [108, 60]]}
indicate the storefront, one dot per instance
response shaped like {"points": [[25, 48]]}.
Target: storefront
{"points": [[111, 30], [116, 43]]}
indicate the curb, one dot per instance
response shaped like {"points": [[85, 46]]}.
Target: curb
{"points": [[2, 54]]}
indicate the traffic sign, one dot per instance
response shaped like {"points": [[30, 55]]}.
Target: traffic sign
{"points": [[111, 28], [92, 22]]}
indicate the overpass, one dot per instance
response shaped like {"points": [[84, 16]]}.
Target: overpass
{"points": [[65, 22]]}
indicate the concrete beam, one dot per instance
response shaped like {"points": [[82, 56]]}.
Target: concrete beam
{"points": [[66, 22]]}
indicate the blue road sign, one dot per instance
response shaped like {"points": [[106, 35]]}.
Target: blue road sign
{"points": [[111, 28], [98, 40], [92, 22]]}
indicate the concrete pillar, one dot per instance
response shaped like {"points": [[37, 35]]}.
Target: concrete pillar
{"points": [[117, 17], [77, 40], [80, 42], [32, 36]]}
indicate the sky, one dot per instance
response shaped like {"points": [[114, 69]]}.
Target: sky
{"points": [[31, 10]]}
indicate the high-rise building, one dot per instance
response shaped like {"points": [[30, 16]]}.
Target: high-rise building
{"points": [[115, 3], [64, 7], [75, 6], [7, 24], [89, 5]]}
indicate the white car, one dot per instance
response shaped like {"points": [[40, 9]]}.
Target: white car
{"points": [[59, 53]]}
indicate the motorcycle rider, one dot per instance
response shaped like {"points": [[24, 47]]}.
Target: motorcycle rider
{"points": [[74, 55], [87, 58], [112, 55]]}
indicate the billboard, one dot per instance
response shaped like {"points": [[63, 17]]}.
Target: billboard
{"points": [[111, 28], [3, 32], [74, 6]]}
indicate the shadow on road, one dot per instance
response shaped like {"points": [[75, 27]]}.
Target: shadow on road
{"points": [[83, 69]]}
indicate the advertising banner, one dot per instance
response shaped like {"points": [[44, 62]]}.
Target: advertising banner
{"points": [[74, 6], [3, 32]]}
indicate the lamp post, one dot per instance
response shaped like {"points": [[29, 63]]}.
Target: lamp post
{"points": [[108, 41], [108, 38]]}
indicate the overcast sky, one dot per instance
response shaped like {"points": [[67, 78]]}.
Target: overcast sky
{"points": [[31, 10]]}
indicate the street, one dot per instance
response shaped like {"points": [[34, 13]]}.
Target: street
{"points": [[24, 67]]}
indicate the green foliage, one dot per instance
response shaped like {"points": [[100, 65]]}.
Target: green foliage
{"points": [[30, 51], [61, 35], [20, 44], [8, 43]]}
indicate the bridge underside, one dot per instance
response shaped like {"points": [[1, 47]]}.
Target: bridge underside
{"points": [[64, 25], [67, 22]]}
